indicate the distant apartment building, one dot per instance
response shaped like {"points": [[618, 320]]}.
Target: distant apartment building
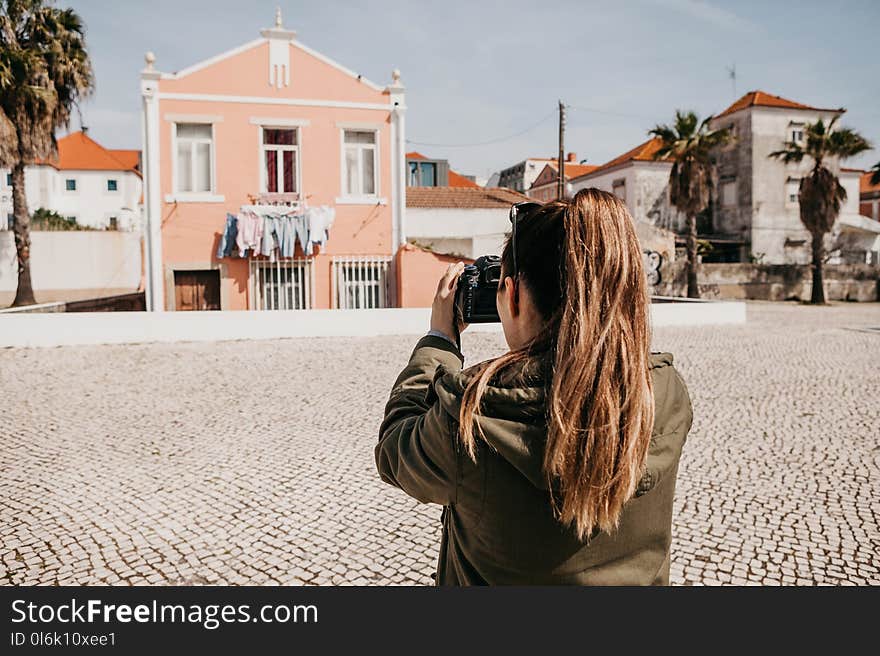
{"points": [[754, 212], [869, 197], [92, 185], [426, 172], [272, 123], [521, 175], [546, 185]]}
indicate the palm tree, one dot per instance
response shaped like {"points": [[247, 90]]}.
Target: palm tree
{"points": [[821, 193], [44, 71], [688, 144]]}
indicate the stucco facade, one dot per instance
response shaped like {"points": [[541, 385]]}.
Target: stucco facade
{"points": [[272, 83]]}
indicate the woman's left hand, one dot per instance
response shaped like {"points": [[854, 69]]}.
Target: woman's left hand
{"points": [[443, 308]]}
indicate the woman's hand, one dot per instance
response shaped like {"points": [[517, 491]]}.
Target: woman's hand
{"points": [[443, 308]]}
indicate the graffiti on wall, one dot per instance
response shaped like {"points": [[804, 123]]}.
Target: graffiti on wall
{"points": [[653, 261]]}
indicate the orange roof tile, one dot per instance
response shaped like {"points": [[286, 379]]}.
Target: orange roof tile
{"points": [[762, 99], [77, 151], [644, 152], [462, 197], [131, 158], [458, 180]]}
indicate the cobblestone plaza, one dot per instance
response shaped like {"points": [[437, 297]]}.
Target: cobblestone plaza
{"points": [[251, 462]]}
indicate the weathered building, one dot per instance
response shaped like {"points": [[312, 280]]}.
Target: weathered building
{"points": [[755, 206]]}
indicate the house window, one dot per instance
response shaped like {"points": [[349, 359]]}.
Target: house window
{"points": [[10, 219], [195, 142], [8, 179], [360, 282], [112, 185], [114, 225], [360, 162], [422, 174], [728, 193], [792, 189], [619, 188], [796, 133], [280, 161], [70, 184]]}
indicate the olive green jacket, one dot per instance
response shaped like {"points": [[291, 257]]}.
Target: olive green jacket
{"points": [[498, 524]]}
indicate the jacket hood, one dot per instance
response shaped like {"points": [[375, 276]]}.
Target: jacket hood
{"points": [[512, 416]]}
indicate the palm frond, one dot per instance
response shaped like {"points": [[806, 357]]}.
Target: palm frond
{"points": [[847, 143]]}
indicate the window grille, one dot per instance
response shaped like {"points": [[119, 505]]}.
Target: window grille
{"points": [[360, 282], [281, 285]]}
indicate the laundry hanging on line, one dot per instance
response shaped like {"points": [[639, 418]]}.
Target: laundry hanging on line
{"points": [[274, 230]]}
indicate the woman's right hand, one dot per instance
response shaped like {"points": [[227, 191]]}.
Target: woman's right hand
{"points": [[443, 308]]}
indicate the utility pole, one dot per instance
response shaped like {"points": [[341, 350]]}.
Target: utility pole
{"points": [[560, 182]]}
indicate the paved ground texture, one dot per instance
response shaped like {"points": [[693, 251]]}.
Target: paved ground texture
{"points": [[252, 462]]}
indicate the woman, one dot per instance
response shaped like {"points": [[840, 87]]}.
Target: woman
{"points": [[556, 462]]}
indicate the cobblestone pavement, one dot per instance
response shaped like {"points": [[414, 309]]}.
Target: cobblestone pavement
{"points": [[252, 462]]}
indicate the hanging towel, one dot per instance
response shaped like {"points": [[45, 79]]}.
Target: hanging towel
{"points": [[229, 237], [320, 219]]}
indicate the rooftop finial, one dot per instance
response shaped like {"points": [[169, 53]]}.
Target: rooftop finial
{"points": [[150, 59], [278, 17], [395, 76]]}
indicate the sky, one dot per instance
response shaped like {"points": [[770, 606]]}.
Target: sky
{"points": [[484, 77]]}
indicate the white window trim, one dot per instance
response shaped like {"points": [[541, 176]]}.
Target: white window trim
{"points": [[280, 122], [177, 196], [75, 189], [360, 199], [296, 149], [795, 184], [107, 190]]}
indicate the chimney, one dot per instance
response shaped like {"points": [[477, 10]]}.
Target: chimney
{"points": [[572, 157]]}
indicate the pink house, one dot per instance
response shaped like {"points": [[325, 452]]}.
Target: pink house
{"points": [[271, 122]]}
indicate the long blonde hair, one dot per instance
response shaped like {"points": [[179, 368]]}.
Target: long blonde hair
{"points": [[582, 263]]}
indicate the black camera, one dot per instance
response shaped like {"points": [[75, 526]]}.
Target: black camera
{"points": [[477, 287]]}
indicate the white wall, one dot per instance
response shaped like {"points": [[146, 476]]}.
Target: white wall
{"points": [[75, 260], [91, 204], [59, 329], [647, 201], [460, 231]]}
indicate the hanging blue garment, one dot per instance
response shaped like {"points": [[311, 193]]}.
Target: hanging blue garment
{"points": [[230, 234]]}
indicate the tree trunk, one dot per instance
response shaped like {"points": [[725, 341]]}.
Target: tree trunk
{"points": [[817, 296], [693, 290], [21, 228]]}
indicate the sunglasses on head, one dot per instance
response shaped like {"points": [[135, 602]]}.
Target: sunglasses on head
{"points": [[516, 213]]}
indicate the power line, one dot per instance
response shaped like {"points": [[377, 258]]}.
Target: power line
{"points": [[485, 143]]}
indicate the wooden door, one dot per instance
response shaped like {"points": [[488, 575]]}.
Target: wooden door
{"points": [[197, 290]]}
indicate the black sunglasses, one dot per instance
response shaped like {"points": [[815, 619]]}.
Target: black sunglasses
{"points": [[516, 213]]}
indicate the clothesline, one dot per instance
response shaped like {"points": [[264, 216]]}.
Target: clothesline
{"points": [[274, 230]]}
